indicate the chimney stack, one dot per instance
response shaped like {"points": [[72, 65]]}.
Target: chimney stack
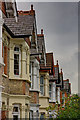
{"points": [[31, 7], [61, 70], [57, 63], [41, 31]]}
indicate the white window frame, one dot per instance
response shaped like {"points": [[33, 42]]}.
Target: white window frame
{"points": [[19, 53]]}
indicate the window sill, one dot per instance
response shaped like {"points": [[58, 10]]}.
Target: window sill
{"points": [[4, 75], [34, 90], [52, 101], [18, 78], [43, 96]]}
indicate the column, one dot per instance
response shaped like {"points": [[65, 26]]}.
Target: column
{"points": [[11, 73]]}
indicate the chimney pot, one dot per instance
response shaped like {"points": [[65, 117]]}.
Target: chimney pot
{"points": [[31, 7], [61, 70], [57, 62], [41, 31]]}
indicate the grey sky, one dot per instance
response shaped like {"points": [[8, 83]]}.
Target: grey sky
{"points": [[60, 23]]}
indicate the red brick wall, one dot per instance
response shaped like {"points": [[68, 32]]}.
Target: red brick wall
{"points": [[28, 42], [34, 97], [60, 96], [2, 7], [24, 88]]}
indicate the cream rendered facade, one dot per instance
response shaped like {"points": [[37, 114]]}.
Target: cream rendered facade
{"points": [[17, 98], [44, 99]]}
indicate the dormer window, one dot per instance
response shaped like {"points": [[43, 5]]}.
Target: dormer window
{"points": [[17, 62]]}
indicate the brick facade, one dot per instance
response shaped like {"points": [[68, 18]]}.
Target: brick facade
{"points": [[1, 72], [2, 7], [34, 97]]}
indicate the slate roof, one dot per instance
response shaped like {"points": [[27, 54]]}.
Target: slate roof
{"points": [[22, 27]]}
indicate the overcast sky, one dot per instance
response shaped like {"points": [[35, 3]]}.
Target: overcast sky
{"points": [[60, 23]]}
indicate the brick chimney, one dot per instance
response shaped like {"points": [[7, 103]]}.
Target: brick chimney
{"points": [[31, 7], [57, 63], [32, 12], [61, 70]]}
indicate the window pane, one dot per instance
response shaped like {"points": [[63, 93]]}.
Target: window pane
{"points": [[41, 80], [30, 68], [16, 49], [49, 87], [41, 89], [16, 64], [15, 109], [16, 72], [50, 95]]}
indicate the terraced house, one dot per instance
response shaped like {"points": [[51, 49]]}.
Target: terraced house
{"points": [[44, 77], [29, 79], [16, 56], [34, 65]]}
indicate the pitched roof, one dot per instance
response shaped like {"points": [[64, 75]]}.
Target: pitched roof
{"points": [[22, 27]]}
